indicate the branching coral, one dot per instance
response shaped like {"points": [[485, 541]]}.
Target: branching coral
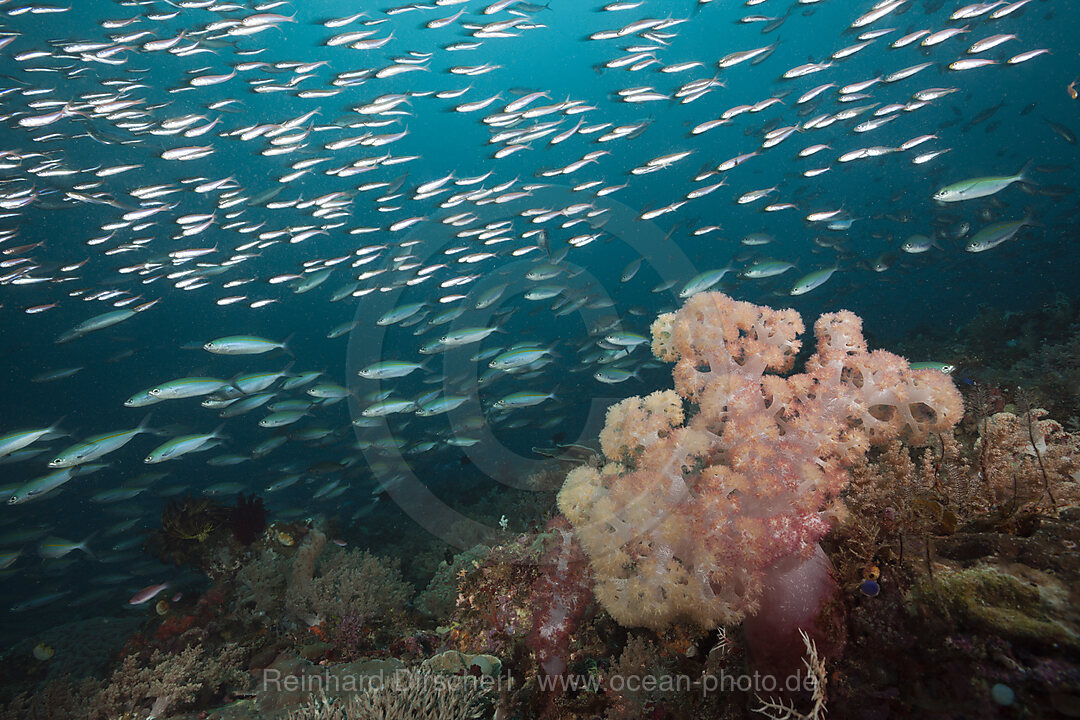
{"points": [[420, 694], [407, 694], [59, 699], [303, 570], [899, 497], [354, 585], [694, 519], [164, 681], [343, 596], [262, 585]]}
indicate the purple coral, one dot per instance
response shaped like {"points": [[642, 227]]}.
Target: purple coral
{"points": [[350, 632]]}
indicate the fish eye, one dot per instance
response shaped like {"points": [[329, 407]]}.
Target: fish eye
{"points": [[155, 391]]}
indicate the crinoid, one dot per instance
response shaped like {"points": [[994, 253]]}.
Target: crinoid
{"points": [[186, 525]]}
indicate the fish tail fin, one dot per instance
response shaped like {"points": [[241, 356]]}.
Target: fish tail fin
{"points": [[217, 432], [1024, 175], [144, 425], [54, 429], [85, 544], [285, 345]]}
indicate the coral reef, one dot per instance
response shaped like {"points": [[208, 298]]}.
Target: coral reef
{"points": [[187, 624], [970, 553], [303, 570], [420, 694], [261, 586], [960, 612], [164, 682], [344, 598], [349, 584], [59, 699], [694, 519], [440, 596], [455, 662], [288, 682], [1016, 470], [948, 554], [492, 612], [529, 602]]}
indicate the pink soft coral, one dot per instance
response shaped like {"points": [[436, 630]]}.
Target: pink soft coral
{"points": [[696, 520]]}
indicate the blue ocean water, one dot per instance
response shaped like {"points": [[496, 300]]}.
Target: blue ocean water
{"points": [[999, 119]]}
